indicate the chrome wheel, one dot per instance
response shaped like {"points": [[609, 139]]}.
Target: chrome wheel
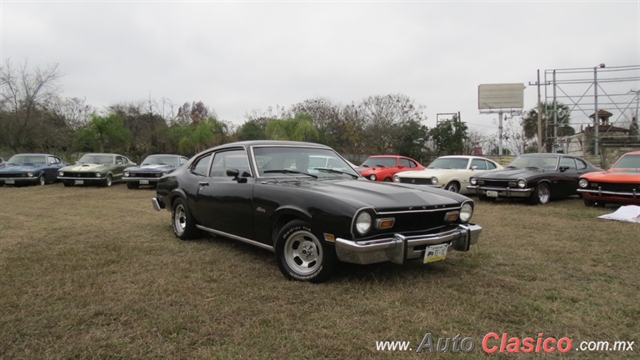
{"points": [[543, 193], [179, 220], [302, 252], [453, 187], [42, 181]]}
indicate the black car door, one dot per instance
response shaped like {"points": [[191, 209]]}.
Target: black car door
{"points": [[570, 175], [224, 203]]}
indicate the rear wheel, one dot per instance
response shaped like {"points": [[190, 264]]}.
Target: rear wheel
{"points": [[184, 226], [301, 255], [541, 195]]}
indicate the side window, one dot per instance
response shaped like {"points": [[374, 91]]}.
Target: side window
{"points": [[183, 160], [405, 162], [119, 160], [568, 162], [201, 166], [581, 164], [53, 160], [413, 164], [490, 165], [234, 159], [479, 163]]}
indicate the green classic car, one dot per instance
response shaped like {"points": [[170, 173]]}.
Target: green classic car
{"points": [[100, 169]]}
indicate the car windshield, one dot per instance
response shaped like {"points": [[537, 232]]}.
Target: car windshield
{"points": [[379, 161], [540, 162], [448, 163], [96, 159], [275, 161], [628, 162], [27, 160], [161, 160]]}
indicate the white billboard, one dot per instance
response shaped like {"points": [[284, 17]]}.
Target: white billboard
{"points": [[500, 96]]}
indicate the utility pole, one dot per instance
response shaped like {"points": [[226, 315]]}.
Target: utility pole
{"points": [[539, 114]]}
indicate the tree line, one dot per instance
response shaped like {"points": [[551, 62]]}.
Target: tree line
{"points": [[34, 117]]}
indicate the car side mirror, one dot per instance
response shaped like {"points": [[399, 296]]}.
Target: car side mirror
{"points": [[401, 167], [234, 173], [564, 168], [473, 168]]}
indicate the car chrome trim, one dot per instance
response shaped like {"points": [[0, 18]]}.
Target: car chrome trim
{"points": [[418, 211], [599, 192], [235, 237], [399, 248], [82, 178], [156, 204], [155, 179]]}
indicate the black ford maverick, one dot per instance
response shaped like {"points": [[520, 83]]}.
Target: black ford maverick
{"points": [[152, 168], [311, 217], [535, 177]]}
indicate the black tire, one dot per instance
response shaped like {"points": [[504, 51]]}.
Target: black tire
{"points": [[388, 180], [453, 187], [42, 181], [67, 183], [601, 204], [184, 225], [588, 203], [132, 185], [541, 195], [108, 181], [301, 255]]}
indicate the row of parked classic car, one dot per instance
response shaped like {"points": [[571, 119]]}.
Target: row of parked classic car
{"points": [[313, 208]]}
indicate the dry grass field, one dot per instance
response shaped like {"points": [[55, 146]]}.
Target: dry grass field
{"points": [[97, 273]]}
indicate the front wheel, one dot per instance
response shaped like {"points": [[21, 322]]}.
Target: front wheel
{"points": [[42, 181], [108, 181], [588, 203], [301, 255], [388, 180], [184, 226], [541, 195], [453, 187]]}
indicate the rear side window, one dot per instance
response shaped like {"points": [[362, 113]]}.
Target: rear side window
{"points": [[568, 162], [405, 162], [201, 166], [581, 164], [490, 165], [479, 163]]}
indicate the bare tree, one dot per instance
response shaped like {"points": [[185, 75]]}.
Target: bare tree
{"points": [[23, 92]]}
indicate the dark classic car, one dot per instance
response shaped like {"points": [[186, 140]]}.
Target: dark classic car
{"points": [[383, 167], [536, 177], [247, 191], [152, 168], [101, 169], [620, 184], [25, 169]]}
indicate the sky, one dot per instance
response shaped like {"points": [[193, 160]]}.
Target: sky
{"points": [[242, 57]]}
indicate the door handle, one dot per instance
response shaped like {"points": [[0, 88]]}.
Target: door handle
{"points": [[203, 183]]}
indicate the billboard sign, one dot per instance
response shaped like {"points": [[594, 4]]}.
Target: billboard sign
{"points": [[500, 96]]}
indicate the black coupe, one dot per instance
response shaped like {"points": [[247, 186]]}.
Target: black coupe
{"points": [[535, 177], [152, 168], [267, 194]]}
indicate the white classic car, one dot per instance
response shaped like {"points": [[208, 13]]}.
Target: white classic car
{"points": [[451, 172]]}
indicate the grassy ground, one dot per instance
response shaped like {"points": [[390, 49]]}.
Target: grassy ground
{"points": [[97, 273]]}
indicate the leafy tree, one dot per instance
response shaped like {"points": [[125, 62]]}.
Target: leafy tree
{"points": [[202, 135], [411, 139], [23, 93], [299, 128], [252, 130], [449, 136], [562, 114], [104, 133]]}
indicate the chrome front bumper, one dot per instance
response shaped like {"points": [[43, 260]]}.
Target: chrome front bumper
{"points": [[502, 192], [400, 248], [158, 205], [19, 179], [599, 192], [137, 179]]}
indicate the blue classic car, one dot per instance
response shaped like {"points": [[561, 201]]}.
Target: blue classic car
{"points": [[26, 169], [153, 167], [312, 217]]}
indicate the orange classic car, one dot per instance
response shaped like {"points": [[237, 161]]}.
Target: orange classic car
{"points": [[620, 184], [383, 167]]}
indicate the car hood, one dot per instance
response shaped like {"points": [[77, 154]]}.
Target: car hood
{"points": [[622, 175], [155, 168], [20, 168], [86, 167], [428, 173], [380, 195], [510, 173]]}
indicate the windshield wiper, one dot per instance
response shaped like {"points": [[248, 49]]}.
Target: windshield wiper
{"points": [[285, 171], [336, 172]]}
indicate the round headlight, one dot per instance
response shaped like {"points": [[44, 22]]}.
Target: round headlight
{"points": [[98, 174], [466, 212], [583, 183], [126, 174], [60, 173], [363, 222], [372, 177], [522, 183], [473, 181], [30, 174], [434, 180], [396, 178]]}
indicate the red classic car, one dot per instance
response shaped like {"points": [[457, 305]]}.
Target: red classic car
{"points": [[383, 167], [620, 184]]}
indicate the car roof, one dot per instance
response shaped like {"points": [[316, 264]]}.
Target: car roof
{"points": [[633, 153], [274, 143], [35, 154]]}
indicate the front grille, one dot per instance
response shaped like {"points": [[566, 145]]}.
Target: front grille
{"points": [[494, 183], [419, 181], [616, 187], [79, 174], [145, 175], [14, 175]]}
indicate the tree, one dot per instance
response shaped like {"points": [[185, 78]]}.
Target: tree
{"points": [[23, 93], [299, 128], [104, 133], [552, 113], [449, 136], [204, 134]]}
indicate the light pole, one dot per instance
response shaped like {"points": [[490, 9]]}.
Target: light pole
{"points": [[637, 93], [595, 101]]}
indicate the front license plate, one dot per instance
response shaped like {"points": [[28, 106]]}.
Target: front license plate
{"points": [[492, 193], [144, 182], [435, 253], [10, 182], [79, 182]]}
